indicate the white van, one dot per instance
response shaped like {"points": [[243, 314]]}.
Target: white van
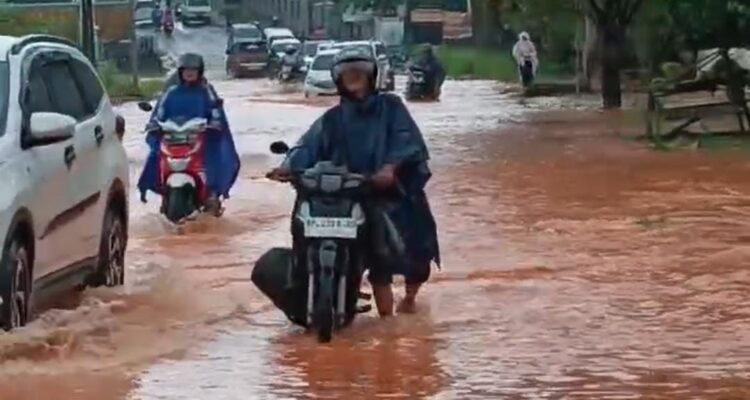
{"points": [[272, 34], [195, 12]]}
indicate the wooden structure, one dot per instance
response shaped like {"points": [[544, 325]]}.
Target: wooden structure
{"points": [[722, 97]]}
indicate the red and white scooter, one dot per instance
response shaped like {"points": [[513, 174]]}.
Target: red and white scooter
{"points": [[183, 175]]}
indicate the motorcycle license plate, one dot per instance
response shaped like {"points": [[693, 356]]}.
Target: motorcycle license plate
{"points": [[343, 228]]}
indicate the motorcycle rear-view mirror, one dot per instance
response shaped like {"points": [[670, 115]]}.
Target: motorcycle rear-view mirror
{"points": [[279, 147], [145, 106]]}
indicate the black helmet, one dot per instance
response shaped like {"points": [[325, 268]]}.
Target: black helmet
{"points": [[354, 58], [290, 49], [191, 61]]}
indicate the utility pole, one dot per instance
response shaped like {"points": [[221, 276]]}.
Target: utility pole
{"points": [[86, 33], [133, 46], [579, 47]]}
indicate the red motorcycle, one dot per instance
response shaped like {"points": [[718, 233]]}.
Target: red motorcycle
{"points": [[167, 23], [183, 175]]}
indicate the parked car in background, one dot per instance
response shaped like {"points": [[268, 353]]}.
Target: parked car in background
{"points": [[64, 204], [245, 57], [273, 34], [195, 12], [247, 32], [319, 80], [310, 49], [143, 10], [326, 45], [385, 78], [279, 46]]}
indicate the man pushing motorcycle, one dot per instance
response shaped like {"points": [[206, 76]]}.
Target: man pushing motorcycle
{"points": [[373, 134], [192, 97]]}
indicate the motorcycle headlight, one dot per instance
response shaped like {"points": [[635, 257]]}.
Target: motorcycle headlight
{"points": [[178, 164]]}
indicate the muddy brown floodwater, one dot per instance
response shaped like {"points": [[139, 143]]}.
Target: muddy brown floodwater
{"points": [[577, 265]]}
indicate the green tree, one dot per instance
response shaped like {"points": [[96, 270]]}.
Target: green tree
{"points": [[612, 19], [710, 23], [552, 25]]}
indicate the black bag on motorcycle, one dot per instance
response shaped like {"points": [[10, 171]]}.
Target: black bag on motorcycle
{"points": [[274, 275]]}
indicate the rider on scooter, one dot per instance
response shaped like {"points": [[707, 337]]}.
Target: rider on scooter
{"points": [[524, 51], [434, 72], [377, 136], [191, 98], [167, 19], [290, 58]]}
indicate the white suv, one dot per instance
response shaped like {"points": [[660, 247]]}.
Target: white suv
{"points": [[385, 80], [63, 207]]}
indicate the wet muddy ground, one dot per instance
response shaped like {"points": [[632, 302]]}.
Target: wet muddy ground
{"points": [[578, 264]]}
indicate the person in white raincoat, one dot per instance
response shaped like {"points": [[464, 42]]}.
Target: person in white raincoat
{"points": [[523, 51]]}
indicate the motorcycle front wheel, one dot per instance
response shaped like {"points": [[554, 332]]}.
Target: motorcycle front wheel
{"points": [[324, 313], [179, 203]]}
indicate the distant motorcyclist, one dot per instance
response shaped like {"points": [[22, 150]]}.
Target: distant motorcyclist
{"points": [[374, 134], [433, 69], [525, 54], [193, 97], [291, 60], [167, 19], [290, 56], [156, 16]]}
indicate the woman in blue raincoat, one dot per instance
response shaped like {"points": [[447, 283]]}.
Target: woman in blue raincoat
{"points": [[193, 97], [374, 134]]}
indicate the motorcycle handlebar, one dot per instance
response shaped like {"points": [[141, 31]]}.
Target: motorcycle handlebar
{"points": [[367, 186]]}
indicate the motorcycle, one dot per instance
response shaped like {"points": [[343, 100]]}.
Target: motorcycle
{"points": [[168, 28], [290, 73], [321, 283], [527, 72], [417, 87], [183, 177]]}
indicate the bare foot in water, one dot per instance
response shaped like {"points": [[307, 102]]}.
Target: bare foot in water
{"points": [[408, 305]]}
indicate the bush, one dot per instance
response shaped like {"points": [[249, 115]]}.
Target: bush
{"points": [[472, 62], [495, 64], [23, 22], [120, 86]]}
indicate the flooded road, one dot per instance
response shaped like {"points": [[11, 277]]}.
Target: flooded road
{"points": [[577, 265]]}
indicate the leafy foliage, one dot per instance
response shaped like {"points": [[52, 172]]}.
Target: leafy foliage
{"points": [[710, 23], [552, 25], [17, 23]]}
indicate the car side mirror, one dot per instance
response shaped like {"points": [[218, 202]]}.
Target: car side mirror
{"points": [[145, 106], [279, 147], [50, 127], [220, 102]]}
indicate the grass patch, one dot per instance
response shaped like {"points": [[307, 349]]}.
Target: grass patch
{"points": [[472, 62], [493, 64], [120, 86], [27, 21]]}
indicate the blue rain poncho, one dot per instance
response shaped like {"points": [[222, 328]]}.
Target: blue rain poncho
{"points": [[220, 157], [365, 136]]}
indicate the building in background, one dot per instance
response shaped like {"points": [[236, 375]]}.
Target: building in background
{"points": [[306, 18]]}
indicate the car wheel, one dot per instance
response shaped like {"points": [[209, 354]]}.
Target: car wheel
{"points": [[15, 284], [110, 270]]}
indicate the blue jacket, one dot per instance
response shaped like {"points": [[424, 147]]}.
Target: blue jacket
{"points": [[365, 136], [220, 157]]}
